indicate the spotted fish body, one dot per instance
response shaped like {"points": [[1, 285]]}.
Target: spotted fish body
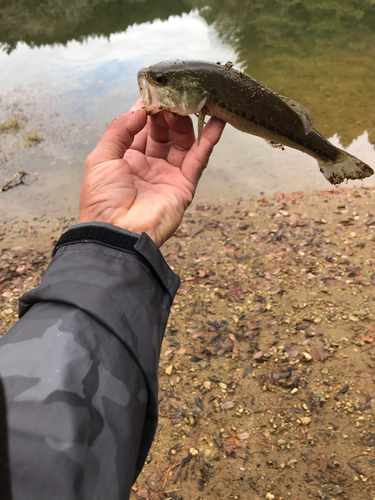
{"points": [[186, 87]]}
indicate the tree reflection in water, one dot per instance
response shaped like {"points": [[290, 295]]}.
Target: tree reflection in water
{"points": [[319, 53]]}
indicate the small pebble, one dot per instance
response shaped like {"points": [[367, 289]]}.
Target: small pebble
{"points": [[292, 462], [168, 370]]}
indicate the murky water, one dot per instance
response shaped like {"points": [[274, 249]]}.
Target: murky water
{"points": [[66, 72]]}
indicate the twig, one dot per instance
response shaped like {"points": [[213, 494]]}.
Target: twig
{"points": [[8, 185], [371, 346], [356, 456], [168, 471]]}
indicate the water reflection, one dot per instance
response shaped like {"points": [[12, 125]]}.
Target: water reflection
{"points": [[321, 54], [37, 22]]}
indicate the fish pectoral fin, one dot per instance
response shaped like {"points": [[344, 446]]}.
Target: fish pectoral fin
{"points": [[276, 145], [304, 115], [202, 115]]}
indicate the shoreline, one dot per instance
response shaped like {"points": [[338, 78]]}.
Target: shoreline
{"points": [[41, 233]]}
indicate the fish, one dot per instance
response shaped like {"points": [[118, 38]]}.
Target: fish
{"points": [[215, 89]]}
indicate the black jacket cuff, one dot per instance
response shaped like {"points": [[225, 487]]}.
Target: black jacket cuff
{"points": [[124, 240]]}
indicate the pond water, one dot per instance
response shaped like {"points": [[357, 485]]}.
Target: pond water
{"points": [[67, 71]]}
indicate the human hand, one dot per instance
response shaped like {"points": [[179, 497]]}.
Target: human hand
{"points": [[144, 171]]}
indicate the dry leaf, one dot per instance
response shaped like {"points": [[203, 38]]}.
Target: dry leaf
{"points": [[323, 462], [365, 375], [195, 335], [321, 355], [291, 350], [305, 430], [364, 338], [228, 405], [243, 435], [228, 450], [176, 473]]}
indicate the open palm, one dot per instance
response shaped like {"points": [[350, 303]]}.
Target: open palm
{"points": [[144, 171]]}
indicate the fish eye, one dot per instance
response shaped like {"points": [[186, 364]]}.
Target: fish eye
{"points": [[160, 78]]}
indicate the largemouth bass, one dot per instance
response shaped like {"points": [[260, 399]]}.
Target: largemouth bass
{"points": [[186, 87]]}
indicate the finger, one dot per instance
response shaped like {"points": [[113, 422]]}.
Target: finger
{"points": [[159, 137], [118, 137], [159, 128], [183, 138], [170, 133], [140, 140], [182, 129], [197, 158]]}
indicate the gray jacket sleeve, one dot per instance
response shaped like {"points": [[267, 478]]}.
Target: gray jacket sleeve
{"points": [[78, 372]]}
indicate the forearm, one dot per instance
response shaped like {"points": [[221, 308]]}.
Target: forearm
{"points": [[79, 370]]}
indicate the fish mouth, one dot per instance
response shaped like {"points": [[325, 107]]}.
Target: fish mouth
{"points": [[148, 93]]}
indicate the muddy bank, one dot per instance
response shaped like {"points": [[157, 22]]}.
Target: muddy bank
{"points": [[268, 368]]}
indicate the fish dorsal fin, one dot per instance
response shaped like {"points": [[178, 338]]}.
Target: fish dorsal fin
{"points": [[302, 112]]}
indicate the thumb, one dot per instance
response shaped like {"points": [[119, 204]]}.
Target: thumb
{"points": [[118, 137]]}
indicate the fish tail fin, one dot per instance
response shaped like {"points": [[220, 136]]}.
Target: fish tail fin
{"points": [[344, 167]]}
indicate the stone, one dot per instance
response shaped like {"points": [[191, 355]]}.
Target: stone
{"points": [[169, 370]]}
